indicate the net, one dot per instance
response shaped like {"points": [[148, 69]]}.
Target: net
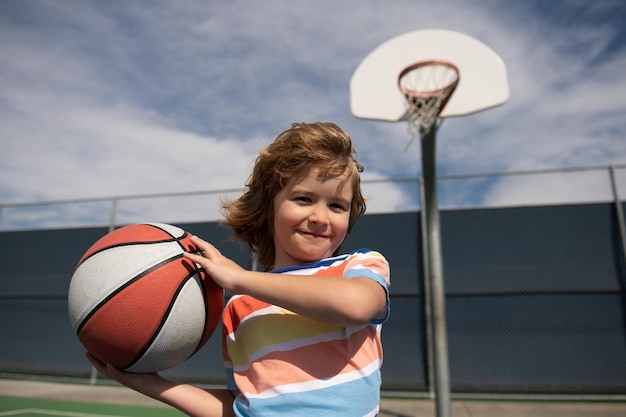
{"points": [[427, 87]]}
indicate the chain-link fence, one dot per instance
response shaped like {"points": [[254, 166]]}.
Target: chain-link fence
{"points": [[534, 271]]}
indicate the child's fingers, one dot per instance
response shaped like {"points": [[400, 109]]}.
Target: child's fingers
{"points": [[206, 249], [100, 366]]}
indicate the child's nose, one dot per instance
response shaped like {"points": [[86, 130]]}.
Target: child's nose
{"points": [[319, 214]]}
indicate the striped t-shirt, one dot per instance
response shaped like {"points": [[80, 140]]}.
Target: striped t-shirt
{"points": [[285, 364]]}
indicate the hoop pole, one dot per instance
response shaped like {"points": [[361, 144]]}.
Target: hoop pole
{"points": [[430, 346], [435, 274]]}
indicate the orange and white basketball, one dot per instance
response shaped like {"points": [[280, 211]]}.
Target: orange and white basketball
{"points": [[136, 302]]}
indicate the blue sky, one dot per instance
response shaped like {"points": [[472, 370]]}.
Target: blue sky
{"points": [[102, 98]]}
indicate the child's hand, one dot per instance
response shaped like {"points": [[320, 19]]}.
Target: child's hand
{"points": [[225, 272], [138, 382], [190, 400]]}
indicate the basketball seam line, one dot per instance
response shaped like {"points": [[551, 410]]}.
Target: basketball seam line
{"points": [[165, 316], [122, 287], [151, 242]]}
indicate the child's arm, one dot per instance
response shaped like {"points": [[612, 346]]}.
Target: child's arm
{"points": [[330, 299], [191, 400]]}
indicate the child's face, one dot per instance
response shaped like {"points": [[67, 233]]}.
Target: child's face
{"points": [[311, 218]]}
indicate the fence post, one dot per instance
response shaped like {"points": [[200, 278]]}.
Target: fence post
{"points": [[618, 210], [93, 379], [113, 212]]}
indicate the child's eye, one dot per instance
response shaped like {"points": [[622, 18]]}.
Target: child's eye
{"points": [[303, 199], [337, 206]]}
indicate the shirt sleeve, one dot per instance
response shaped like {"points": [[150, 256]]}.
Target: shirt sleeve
{"points": [[372, 265]]}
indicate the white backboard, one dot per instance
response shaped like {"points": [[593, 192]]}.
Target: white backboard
{"points": [[374, 92]]}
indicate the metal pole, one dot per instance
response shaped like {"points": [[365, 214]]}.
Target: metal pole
{"points": [[430, 346], [619, 211], [112, 215], [435, 277], [93, 378]]}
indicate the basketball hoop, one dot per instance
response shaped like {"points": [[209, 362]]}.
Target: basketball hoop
{"points": [[427, 87], [433, 60]]}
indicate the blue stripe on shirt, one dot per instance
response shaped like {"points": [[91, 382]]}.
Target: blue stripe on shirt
{"points": [[324, 402]]}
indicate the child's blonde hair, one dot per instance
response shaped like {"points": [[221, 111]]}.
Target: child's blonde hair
{"points": [[291, 155]]}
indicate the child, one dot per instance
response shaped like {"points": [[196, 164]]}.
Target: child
{"points": [[303, 339]]}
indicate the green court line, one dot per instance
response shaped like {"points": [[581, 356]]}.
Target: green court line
{"points": [[29, 407], [36, 412]]}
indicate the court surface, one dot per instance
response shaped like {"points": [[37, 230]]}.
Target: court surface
{"points": [[31, 407], [40, 399]]}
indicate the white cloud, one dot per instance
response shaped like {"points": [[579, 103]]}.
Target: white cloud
{"points": [[551, 188], [100, 99]]}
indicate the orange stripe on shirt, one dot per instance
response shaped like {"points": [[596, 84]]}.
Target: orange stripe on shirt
{"points": [[303, 364]]}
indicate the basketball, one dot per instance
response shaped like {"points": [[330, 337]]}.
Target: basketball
{"points": [[136, 302]]}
